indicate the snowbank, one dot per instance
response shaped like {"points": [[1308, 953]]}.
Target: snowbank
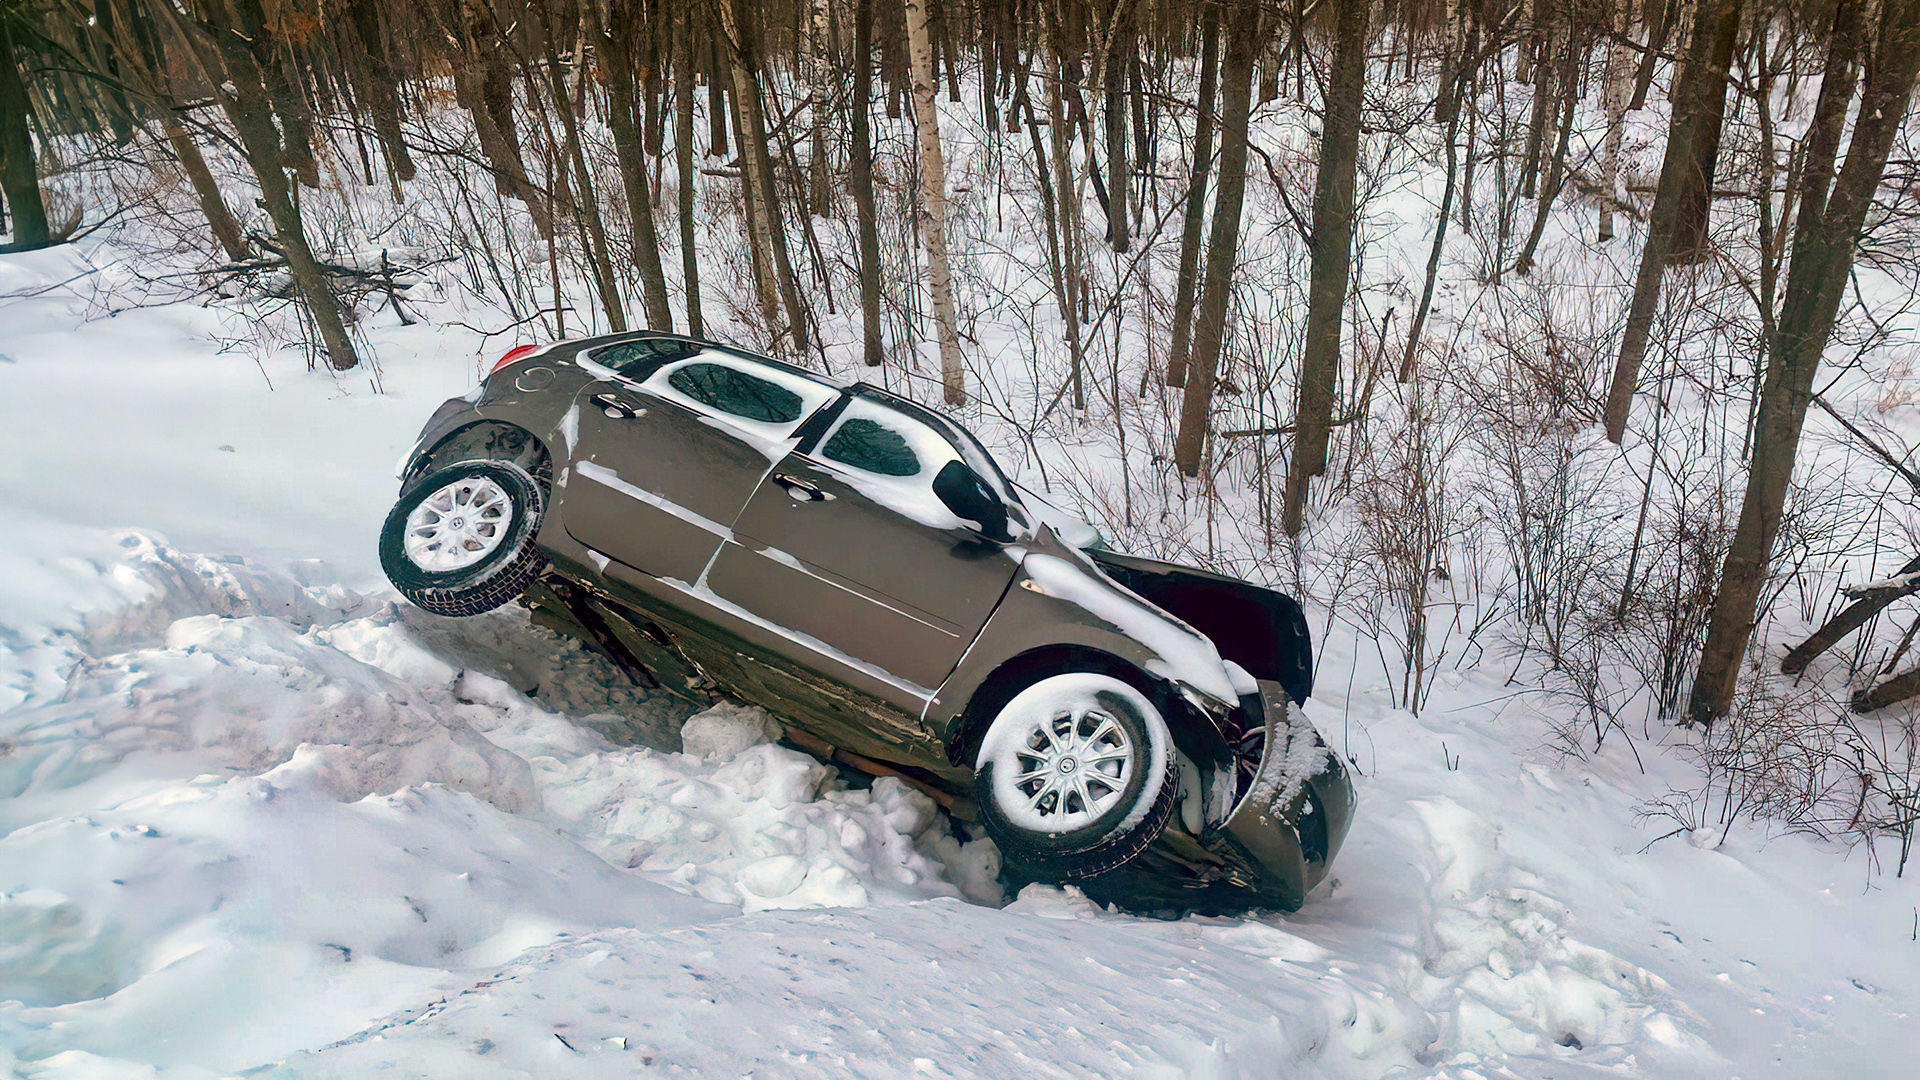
{"points": [[255, 815]]}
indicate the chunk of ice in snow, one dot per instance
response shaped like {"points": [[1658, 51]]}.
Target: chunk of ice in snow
{"points": [[725, 731]]}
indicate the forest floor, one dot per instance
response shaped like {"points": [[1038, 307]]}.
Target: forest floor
{"points": [[259, 817]]}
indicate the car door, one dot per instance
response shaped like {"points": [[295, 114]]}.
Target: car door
{"points": [[668, 445], [848, 550]]}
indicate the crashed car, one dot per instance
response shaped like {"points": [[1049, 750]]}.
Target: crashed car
{"points": [[719, 521]]}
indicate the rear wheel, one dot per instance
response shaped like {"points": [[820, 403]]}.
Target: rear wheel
{"points": [[1074, 776], [460, 540]]}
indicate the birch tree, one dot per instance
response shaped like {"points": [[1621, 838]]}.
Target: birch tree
{"points": [[933, 198]]}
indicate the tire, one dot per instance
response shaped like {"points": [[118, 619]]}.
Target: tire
{"points": [[460, 540], [1103, 753]]}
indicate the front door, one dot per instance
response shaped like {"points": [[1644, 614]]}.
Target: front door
{"points": [[665, 454], [848, 546]]}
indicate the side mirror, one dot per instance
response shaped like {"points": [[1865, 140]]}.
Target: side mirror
{"points": [[962, 491]]}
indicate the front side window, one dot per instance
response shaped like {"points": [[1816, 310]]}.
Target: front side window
{"points": [[865, 443]]}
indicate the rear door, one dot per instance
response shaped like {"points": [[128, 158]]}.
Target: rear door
{"points": [[668, 445], [847, 545]]}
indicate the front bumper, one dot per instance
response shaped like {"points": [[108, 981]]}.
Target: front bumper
{"points": [[1272, 848]]}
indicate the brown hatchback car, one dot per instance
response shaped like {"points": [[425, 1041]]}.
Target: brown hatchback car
{"points": [[719, 521]]}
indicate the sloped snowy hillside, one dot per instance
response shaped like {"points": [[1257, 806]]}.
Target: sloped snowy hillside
{"points": [[257, 817]]}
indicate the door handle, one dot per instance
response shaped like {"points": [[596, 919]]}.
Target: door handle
{"points": [[615, 407], [800, 489]]}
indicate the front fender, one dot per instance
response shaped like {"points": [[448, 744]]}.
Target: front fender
{"points": [[1059, 601]]}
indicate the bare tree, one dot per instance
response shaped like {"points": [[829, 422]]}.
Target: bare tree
{"points": [[616, 39], [683, 159], [1195, 211], [226, 59], [753, 188], [861, 178], [1223, 243], [1825, 234], [19, 170], [1333, 212], [1696, 85]]}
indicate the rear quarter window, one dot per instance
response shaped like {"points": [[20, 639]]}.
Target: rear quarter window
{"points": [[738, 393], [637, 359]]}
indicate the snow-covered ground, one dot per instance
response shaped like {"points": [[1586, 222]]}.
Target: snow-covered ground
{"points": [[258, 817]]}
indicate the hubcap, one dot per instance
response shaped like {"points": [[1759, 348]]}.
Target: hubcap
{"points": [[1073, 766], [459, 525]]}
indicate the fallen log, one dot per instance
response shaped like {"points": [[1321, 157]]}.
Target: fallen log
{"points": [[1897, 689], [1869, 600]]}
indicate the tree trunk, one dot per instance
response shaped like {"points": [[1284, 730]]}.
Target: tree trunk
{"points": [[1663, 221], [1445, 99], [717, 98], [377, 82], [1657, 36], [821, 55], [249, 110], [616, 40], [1056, 272], [1333, 212], [683, 158], [487, 97], [1696, 190], [1614, 103], [19, 172], [752, 191], [1850, 618], [1816, 282], [1569, 80], [284, 79], [1433, 254], [1113, 74], [861, 177], [584, 206], [1195, 210], [119, 112], [205, 190], [755, 126], [1068, 203], [1223, 244], [1537, 126], [933, 198]]}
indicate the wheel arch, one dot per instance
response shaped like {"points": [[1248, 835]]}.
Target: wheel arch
{"points": [[496, 440], [1194, 734]]}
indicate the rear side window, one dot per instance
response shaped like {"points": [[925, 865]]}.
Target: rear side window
{"points": [[735, 392], [870, 445], [636, 359]]}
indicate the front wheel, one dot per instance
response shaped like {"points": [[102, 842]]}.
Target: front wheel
{"points": [[460, 540], [1074, 776]]}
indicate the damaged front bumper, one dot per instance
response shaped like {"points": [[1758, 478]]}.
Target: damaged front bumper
{"points": [[1270, 850]]}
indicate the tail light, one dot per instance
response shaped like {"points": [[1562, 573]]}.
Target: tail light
{"points": [[513, 354]]}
